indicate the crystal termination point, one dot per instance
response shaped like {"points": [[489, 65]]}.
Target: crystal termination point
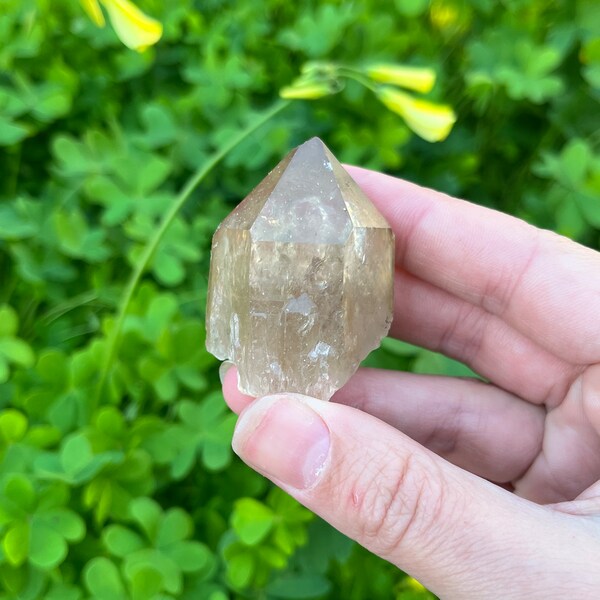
{"points": [[301, 279]]}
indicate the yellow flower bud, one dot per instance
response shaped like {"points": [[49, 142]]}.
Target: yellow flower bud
{"points": [[134, 28], [419, 79], [92, 8], [305, 91], [428, 120]]}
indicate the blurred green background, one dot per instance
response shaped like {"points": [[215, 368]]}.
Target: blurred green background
{"points": [[116, 475]]}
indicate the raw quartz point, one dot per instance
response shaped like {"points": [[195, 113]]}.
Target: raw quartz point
{"points": [[301, 279]]}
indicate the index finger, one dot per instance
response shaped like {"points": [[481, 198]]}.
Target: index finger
{"points": [[542, 284]]}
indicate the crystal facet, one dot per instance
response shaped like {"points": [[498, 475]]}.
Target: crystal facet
{"points": [[301, 279]]}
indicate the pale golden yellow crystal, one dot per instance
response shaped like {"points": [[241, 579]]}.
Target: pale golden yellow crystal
{"points": [[301, 279]]}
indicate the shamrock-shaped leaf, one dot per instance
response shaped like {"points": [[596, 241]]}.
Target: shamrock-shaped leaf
{"points": [[161, 550], [252, 520], [76, 462], [39, 528], [207, 431], [17, 221], [50, 532]]}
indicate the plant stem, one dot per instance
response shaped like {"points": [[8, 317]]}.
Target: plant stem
{"points": [[357, 76], [154, 241]]}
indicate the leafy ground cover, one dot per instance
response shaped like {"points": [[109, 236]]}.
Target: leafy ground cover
{"points": [[116, 475]]}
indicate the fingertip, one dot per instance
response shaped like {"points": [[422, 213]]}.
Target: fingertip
{"points": [[363, 176], [234, 398]]}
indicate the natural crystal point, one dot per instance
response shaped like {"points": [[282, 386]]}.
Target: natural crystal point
{"points": [[301, 279]]}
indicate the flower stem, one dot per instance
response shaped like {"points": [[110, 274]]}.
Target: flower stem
{"points": [[152, 244]]}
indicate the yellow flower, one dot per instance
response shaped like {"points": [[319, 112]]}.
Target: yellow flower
{"points": [[92, 8], [134, 28], [430, 121], [305, 90], [419, 79]]}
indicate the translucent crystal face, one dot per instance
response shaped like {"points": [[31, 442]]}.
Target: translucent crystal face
{"points": [[306, 205], [301, 279]]}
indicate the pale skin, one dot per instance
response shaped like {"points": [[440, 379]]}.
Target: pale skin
{"points": [[478, 490]]}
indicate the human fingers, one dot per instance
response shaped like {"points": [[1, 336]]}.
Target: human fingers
{"points": [[472, 424], [569, 460], [460, 535], [428, 316], [236, 401], [542, 284]]}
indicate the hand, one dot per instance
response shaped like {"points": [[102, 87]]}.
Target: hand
{"points": [[404, 463]]}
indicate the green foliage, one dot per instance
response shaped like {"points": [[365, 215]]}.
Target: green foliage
{"points": [[265, 536], [117, 479]]}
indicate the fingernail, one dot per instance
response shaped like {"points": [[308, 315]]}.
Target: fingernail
{"points": [[283, 438], [225, 366]]}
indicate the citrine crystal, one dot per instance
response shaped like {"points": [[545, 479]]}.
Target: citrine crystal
{"points": [[301, 279]]}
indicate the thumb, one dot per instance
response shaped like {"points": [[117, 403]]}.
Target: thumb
{"points": [[459, 535]]}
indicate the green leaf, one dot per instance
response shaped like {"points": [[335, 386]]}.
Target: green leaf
{"points": [[73, 156], [76, 454], [299, 586], [399, 347], [167, 267], [52, 102], [4, 370], [160, 126], [575, 161], [110, 422], [151, 174], [71, 228], [189, 556], [175, 526], [121, 541], [47, 548], [63, 591], [325, 544], [252, 520], [16, 223], [13, 425], [216, 454], [411, 8], [118, 204], [16, 543], [240, 568], [432, 363], [64, 521], [19, 490], [103, 581], [65, 412], [147, 513], [590, 207], [16, 351], [9, 320], [150, 558], [11, 132], [160, 312], [52, 366], [99, 495], [145, 583], [76, 239]]}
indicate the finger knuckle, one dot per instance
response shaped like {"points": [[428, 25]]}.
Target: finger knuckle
{"points": [[395, 503], [466, 333]]}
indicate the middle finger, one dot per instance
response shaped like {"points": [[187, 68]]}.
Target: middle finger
{"points": [[433, 318]]}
